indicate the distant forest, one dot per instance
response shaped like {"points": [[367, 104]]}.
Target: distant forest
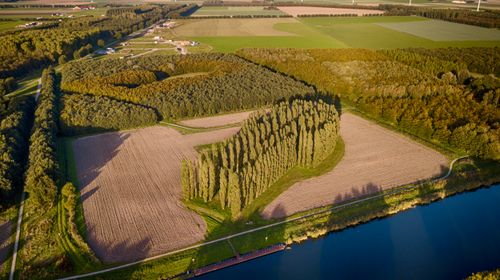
{"points": [[173, 87], [430, 93]]}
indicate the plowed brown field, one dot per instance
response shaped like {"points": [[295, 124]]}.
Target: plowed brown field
{"points": [[375, 159], [131, 191], [217, 120]]}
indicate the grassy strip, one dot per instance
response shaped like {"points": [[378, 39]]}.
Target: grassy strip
{"points": [[470, 175]]}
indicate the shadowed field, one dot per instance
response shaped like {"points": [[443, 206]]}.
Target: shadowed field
{"points": [[131, 191], [375, 159]]}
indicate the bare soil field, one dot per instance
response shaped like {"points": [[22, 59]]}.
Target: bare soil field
{"points": [[375, 159], [131, 191], [231, 27], [215, 121], [297, 10], [6, 236]]}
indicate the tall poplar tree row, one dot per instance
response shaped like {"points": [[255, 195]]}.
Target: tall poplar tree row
{"points": [[270, 143]]}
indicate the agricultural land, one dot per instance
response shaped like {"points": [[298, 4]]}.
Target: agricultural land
{"points": [[149, 141]]}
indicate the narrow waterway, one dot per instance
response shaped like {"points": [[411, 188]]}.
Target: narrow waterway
{"points": [[448, 239]]}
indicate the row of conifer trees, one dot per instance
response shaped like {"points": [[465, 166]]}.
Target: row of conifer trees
{"points": [[270, 143]]}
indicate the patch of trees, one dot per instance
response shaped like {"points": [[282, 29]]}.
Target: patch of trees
{"points": [[42, 173], [269, 144], [451, 108], [485, 18], [15, 127], [23, 51], [182, 86], [83, 114]]}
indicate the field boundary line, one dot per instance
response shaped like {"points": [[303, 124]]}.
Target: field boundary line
{"points": [[180, 126], [452, 163]]}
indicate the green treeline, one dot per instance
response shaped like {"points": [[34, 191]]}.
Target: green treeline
{"points": [[174, 86], [411, 89], [15, 127], [484, 18], [84, 114], [270, 143], [20, 52], [42, 173]]}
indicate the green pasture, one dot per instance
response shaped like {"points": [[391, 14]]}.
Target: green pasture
{"points": [[10, 24], [236, 11], [437, 30], [362, 32]]}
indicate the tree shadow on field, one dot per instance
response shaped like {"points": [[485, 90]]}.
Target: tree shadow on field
{"points": [[236, 248], [6, 234], [91, 154], [122, 252]]}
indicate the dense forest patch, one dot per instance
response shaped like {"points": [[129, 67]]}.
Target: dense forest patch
{"points": [[172, 86], [269, 144], [422, 92]]}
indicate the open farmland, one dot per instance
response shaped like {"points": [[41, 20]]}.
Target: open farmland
{"points": [[232, 27], [236, 11], [228, 35], [298, 11], [219, 120], [375, 159], [437, 30], [131, 193]]}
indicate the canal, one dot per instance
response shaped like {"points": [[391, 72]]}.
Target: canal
{"points": [[448, 239]]}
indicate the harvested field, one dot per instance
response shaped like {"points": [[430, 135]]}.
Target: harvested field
{"points": [[215, 121], [232, 27], [6, 239], [375, 159], [131, 191], [297, 11]]}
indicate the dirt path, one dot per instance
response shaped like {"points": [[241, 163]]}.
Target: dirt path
{"points": [[375, 159], [131, 191]]}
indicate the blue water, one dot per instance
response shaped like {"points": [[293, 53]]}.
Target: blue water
{"points": [[449, 239]]}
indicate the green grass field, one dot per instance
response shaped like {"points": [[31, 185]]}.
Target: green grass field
{"points": [[356, 32], [235, 11], [437, 30], [10, 24]]}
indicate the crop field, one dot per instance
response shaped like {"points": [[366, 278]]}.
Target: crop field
{"points": [[220, 120], [8, 25], [233, 27], [297, 10], [375, 159], [236, 11], [437, 30], [228, 35], [47, 12], [131, 192]]}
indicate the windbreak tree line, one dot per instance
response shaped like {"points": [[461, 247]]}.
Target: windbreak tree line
{"points": [[15, 127], [411, 89], [43, 169], [173, 87], [269, 144]]}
